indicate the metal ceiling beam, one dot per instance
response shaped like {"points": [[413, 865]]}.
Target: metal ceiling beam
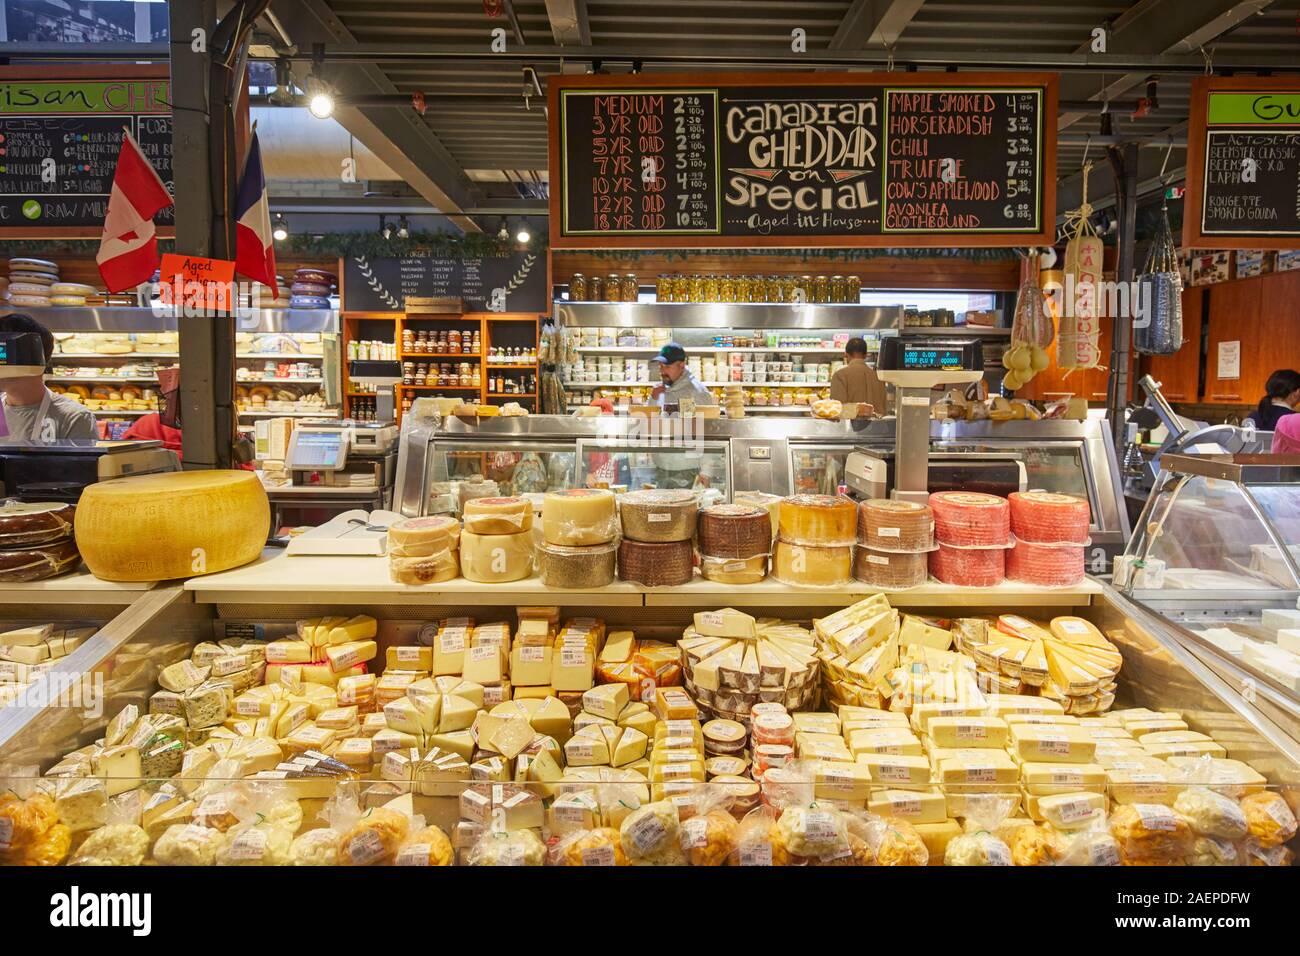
{"points": [[1101, 181], [874, 23], [83, 52], [397, 135], [1158, 27], [404, 205], [569, 27]]}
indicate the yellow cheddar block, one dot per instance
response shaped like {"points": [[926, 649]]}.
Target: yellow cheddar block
{"points": [[892, 740], [415, 657], [1051, 744], [923, 712], [914, 806], [484, 664], [1004, 705], [980, 769], [968, 731], [530, 665], [1046, 779], [899, 772]]}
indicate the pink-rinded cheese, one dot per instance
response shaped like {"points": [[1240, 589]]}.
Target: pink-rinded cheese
{"points": [[970, 519], [1053, 566], [1045, 517], [969, 567]]}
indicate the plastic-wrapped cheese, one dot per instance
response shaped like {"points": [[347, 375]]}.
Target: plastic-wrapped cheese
{"points": [[890, 570], [36, 562], [895, 525], [423, 537], [971, 519], [818, 520], [1048, 565], [565, 567], [735, 531], [969, 567], [761, 499], [173, 525], [432, 569], [659, 515], [496, 558], [734, 570], [577, 517], [1049, 518], [23, 523], [808, 566], [656, 565], [498, 515]]}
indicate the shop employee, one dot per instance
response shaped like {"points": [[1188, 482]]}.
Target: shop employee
{"points": [[34, 414], [856, 382], [678, 382]]}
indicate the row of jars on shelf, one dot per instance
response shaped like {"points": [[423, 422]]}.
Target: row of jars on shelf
{"points": [[637, 395], [444, 341], [719, 288], [447, 374]]}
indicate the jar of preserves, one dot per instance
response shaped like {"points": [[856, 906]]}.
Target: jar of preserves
{"points": [[595, 289], [664, 288], [694, 289], [631, 287], [408, 373], [613, 287], [852, 289], [453, 340], [726, 289], [773, 291], [754, 289], [821, 289], [712, 289], [838, 293], [578, 288]]}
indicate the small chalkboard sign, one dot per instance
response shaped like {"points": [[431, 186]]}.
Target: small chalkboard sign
{"points": [[515, 283]]}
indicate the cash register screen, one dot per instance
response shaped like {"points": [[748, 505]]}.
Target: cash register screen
{"points": [[925, 358], [324, 450]]}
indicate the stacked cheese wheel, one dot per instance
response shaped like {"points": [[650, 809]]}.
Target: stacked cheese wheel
{"points": [[579, 528], [1051, 532], [894, 538], [733, 661], [735, 541], [814, 546], [972, 531], [496, 544], [30, 283], [424, 550], [311, 289], [658, 527], [36, 541]]}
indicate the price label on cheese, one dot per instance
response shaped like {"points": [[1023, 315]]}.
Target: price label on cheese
{"points": [[889, 532], [1078, 628], [819, 826], [493, 696], [395, 765], [213, 805], [905, 805], [1054, 744], [656, 516], [971, 731], [1105, 852], [997, 853], [1075, 811], [695, 833], [192, 674], [573, 656], [532, 654], [365, 848], [978, 774], [677, 750], [646, 833], [598, 855], [756, 854], [1155, 816], [416, 854], [572, 812], [484, 652], [291, 677], [891, 750], [408, 655], [893, 772], [249, 845], [679, 728], [452, 640], [876, 559], [248, 707], [1070, 778], [229, 664], [712, 618], [733, 566], [6, 832], [837, 779], [1273, 856], [1280, 813], [579, 750], [8, 672]]}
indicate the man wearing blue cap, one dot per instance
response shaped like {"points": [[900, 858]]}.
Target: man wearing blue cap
{"points": [[678, 382]]}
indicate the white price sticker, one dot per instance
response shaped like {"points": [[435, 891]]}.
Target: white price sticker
{"points": [[598, 856], [483, 652], [890, 532], [6, 832], [365, 848], [756, 854], [712, 618], [452, 640], [1155, 816], [532, 654], [1104, 853], [408, 655], [417, 854], [249, 845], [647, 833], [658, 516], [695, 833]]}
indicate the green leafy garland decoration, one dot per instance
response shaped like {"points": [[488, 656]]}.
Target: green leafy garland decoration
{"points": [[804, 255]]}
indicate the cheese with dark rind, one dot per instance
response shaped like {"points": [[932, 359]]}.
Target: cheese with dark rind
{"points": [[656, 565], [38, 562], [735, 531], [24, 523], [659, 515]]}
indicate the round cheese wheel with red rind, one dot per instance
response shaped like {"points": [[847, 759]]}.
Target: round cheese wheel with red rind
{"points": [[1047, 565], [577, 517], [818, 520], [656, 564], [174, 525], [971, 519], [24, 523], [969, 567], [424, 536], [735, 531], [1045, 517], [895, 525], [38, 561], [498, 515]]}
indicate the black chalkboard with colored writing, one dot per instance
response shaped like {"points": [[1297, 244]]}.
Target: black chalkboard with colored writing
{"points": [[515, 283]]}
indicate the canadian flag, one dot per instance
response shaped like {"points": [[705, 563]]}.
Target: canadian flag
{"points": [[254, 244], [128, 251]]}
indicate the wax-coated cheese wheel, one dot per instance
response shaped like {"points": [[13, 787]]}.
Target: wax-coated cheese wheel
{"points": [[577, 517], [891, 525], [432, 569], [656, 564], [761, 499], [969, 567], [659, 515], [971, 519], [498, 515], [808, 566], [1045, 517], [735, 531], [23, 523], [72, 288], [734, 570], [175, 525], [36, 562], [819, 520], [28, 301], [890, 569], [1053, 566], [496, 558], [18, 264], [67, 300], [423, 537], [585, 567]]}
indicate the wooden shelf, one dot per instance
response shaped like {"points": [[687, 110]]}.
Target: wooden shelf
{"points": [[441, 355], [443, 388], [494, 365], [512, 395]]}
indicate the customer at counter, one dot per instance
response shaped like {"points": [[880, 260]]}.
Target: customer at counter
{"points": [[678, 382], [32, 413], [1281, 393], [856, 381]]}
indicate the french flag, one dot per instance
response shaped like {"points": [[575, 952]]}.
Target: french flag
{"points": [[128, 249], [254, 245]]}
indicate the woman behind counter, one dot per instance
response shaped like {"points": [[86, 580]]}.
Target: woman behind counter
{"points": [[1281, 393]]}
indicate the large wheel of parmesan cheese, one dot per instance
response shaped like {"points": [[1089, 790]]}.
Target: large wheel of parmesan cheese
{"points": [[175, 525]]}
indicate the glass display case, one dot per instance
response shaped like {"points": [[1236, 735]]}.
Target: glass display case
{"points": [[699, 465]]}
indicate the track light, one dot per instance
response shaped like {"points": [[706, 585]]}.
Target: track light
{"points": [[523, 235], [503, 230], [385, 229], [403, 228], [279, 229], [320, 95]]}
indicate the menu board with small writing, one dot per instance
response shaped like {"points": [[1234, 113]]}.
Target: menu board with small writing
{"points": [[1243, 171], [515, 283], [850, 159], [59, 144]]}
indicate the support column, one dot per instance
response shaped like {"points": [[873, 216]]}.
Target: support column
{"points": [[1124, 160]]}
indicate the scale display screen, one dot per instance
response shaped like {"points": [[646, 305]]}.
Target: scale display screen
{"points": [[926, 358], [897, 354], [312, 449]]}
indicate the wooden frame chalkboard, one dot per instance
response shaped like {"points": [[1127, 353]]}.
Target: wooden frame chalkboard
{"points": [[140, 89], [944, 190], [1253, 117]]}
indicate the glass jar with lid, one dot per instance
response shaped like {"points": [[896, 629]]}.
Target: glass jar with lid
{"points": [[852, 289], [821, 290], [631, 287], [578, 288], [773, 289], [726, 289], [664, 289], [613, 287], [596, 289], [712, 289]]}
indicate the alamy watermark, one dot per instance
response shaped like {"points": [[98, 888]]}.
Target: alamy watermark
{"points": [[75, 691], [1088, 300]]}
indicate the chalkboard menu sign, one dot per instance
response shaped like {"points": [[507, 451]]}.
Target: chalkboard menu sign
{"points": [[514, 283], [59, 143], [801, 160], [1243, 164]]}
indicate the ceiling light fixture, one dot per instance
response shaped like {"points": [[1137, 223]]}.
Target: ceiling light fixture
{"points": [[279, 230], [523, 235], [403, 228], [503, 229], [385, 229]]}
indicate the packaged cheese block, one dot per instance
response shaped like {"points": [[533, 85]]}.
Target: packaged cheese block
{"points": [[577, 517], [39, 561], [890, 525], [23, 524], [1046, 565], [897, 771], [656, 565], [1045, 517], [561, 566], [818, 520], [971, 519], [498, 515], [734, 570], [421, 537], [969, 567], [890, 570], [1051, 744], [914, 806], [809, 566], [496, 558], [433, 569], [735, 531], [659, 515], [968, 732], [179, 524]]}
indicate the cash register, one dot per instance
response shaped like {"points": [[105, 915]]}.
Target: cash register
{"points": [[347, 454], [910, 470]]}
